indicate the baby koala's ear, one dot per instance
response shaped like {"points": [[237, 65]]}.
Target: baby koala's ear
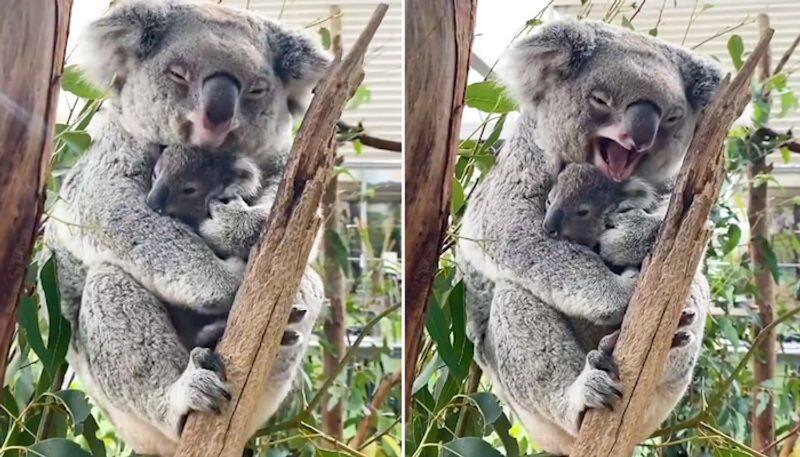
{"points": [[637, 194], [246, 178]]}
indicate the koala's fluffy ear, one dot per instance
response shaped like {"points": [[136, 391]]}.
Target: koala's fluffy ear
{"points": [[701, 77], [247, 178], [299, 61], [637, 193], [128, 33], [554, 52]]}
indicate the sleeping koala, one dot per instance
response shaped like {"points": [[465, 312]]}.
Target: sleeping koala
{"points": [[582, 200], [540, 308], [224, 197], [188, 75], [186, 180]]}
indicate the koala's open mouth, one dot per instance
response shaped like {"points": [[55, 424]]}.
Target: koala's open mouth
{"points": [[612, 159]]}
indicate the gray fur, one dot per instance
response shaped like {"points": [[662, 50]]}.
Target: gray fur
{"points": [[537, 305], [129, 273], [186, 180], [582, 200]]}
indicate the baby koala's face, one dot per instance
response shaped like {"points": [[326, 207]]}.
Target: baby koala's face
{"points": [[578, 204], [186, 180]]}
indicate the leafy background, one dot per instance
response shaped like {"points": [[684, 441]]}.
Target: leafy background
{"points": [[454, 411], [44, 411]]}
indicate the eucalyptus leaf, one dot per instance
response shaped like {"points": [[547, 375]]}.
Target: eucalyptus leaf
{"points": [[489, 97]]}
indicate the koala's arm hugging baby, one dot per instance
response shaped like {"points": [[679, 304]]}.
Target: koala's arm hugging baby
{"points": [[190, 75], [543, 310]]}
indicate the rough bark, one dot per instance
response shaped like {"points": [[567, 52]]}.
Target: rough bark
{"points": [[335, 324], [33, 40], [368, 425], [667, 273], [765, 358], [440, 34], [277, 263]]}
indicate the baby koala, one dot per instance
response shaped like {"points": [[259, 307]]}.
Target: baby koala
{"points": [[185, 180], [582, 198]]}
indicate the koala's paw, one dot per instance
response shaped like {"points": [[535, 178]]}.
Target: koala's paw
{"points": [[630, 273], [628, 237], [290, 338], [297, 314], [220, 229], [236, 266], [598, 385], [201, 387]]}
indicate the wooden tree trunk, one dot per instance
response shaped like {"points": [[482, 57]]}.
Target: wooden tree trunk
{"points": [[652, 317], [765, 358], [277, 263], [439, 38], [33, 39], [335, 326]]}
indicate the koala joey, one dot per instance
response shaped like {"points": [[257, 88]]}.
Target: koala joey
{"points": [[145, 292], [186, 180], [542, 311], [582, 198]]}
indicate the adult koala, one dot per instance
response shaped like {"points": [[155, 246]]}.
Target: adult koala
{"points": [[539, 307], [191, 75]]}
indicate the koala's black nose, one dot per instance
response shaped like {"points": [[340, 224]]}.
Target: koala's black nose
{"points": [[641, 121], [157, 198], [553, 222], [220, 95]]}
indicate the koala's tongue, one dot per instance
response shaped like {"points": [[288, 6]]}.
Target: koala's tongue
{"points": [[617, 159]]}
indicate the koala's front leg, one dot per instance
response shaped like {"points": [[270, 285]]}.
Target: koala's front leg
{"points": [[629, 237], [541, 367], [136, 358]]}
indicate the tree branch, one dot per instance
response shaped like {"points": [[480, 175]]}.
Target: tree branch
{"points": [[352, 132], [667, 274], [440, 33], [277, 264], [370, 422], [27, 113]]}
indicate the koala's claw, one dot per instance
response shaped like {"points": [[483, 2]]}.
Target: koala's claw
{"points": [[290, 338], [604, 362], [297, 314], [687, 317], [206, 359], [608, 343], [598, 385], [201, 387], [681, 339]]}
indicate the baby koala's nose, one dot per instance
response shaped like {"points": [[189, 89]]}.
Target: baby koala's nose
{"points": [[553, 222], [157, 199]]}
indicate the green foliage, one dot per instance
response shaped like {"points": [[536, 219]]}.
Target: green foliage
{"points": [[489, 97]]}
